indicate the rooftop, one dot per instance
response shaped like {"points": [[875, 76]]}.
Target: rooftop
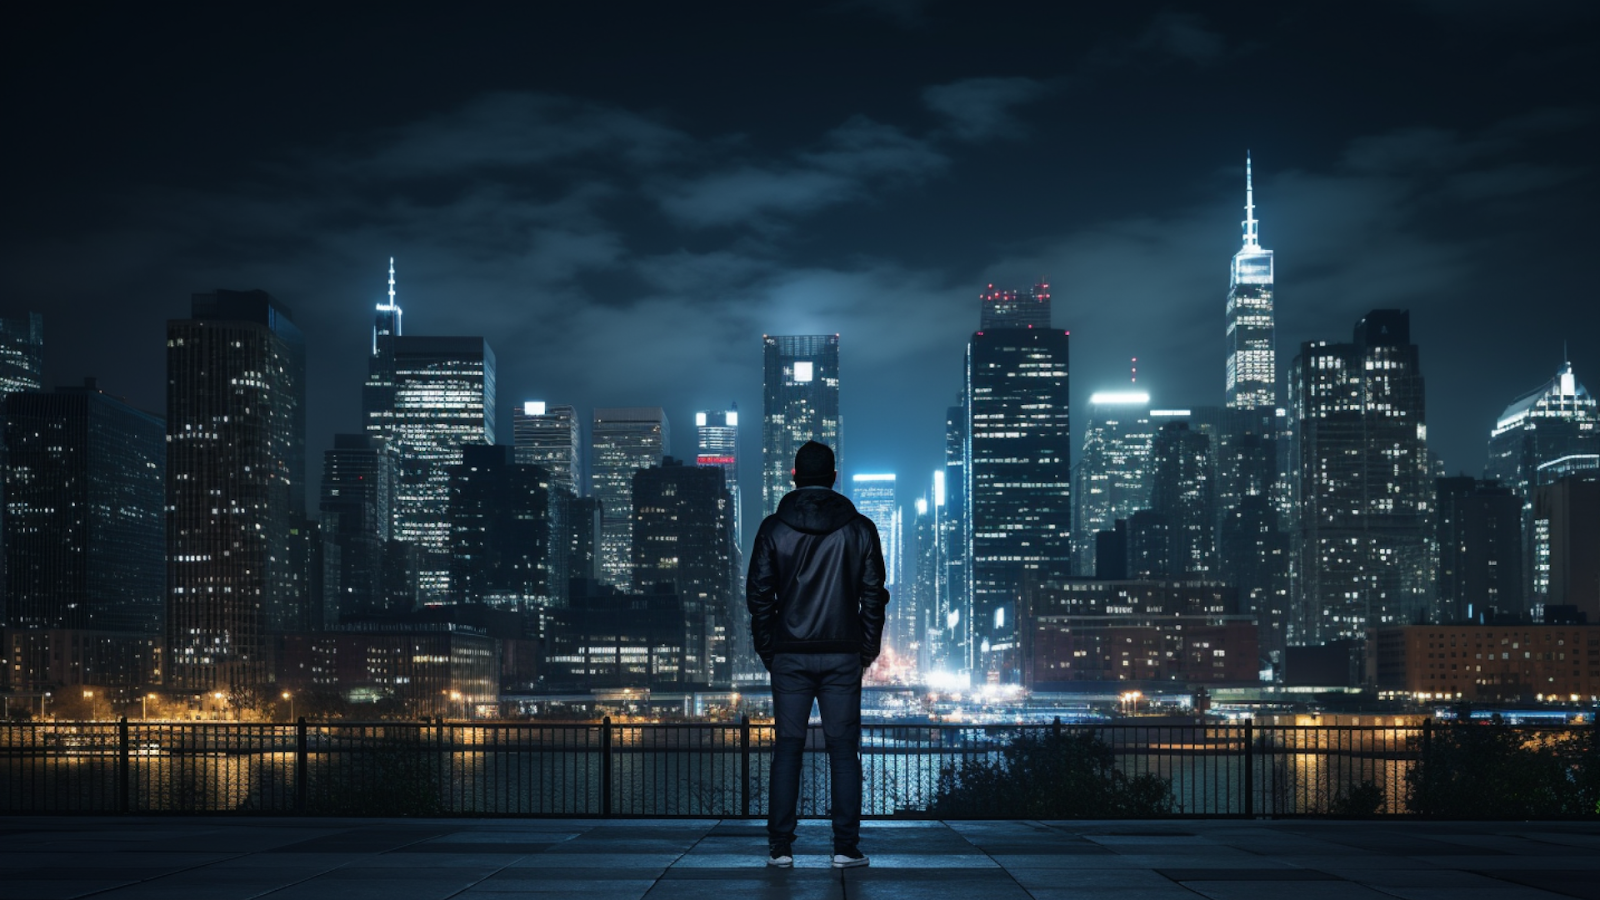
{"points": [[216, 858]]}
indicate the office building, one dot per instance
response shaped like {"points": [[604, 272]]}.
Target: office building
{"points": [[1252, 362], [21, 353], [357, 495], [683, 538], [500, 515], [1566, 518], [429, 397], [910, 612], [1019, 479], [547, 435], [1111, 477], [1182, 490], [1005, 308], [1258, 565], [1364, 491], [622, 441], [1487, 663], [85, 532], [236, 425], [800, 402], [874, 496], [1478, 533], [1559, 420], [949, 622], [717, 447], [609, 638]]}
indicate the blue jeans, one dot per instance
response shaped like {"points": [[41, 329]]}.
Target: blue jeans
{"points": [[833, 680]]}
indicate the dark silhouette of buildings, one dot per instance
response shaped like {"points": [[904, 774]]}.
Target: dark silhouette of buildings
{"points": [[1182, 489], [501, 525], [683, 538], [85, 533], [1478, 528], [359, 477], [800, 402], [1566, 518], [235, 459]]}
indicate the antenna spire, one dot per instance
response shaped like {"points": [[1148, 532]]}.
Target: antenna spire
{"points": [[1249, 223], [391, 281]]}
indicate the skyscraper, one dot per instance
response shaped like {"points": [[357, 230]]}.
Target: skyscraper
{"points": [[717, 447], [949, 628], [85, 529], [683, 536], [1478, 527], [1019, 477], [1182, 490], [874, 497], [1001, 308], [800, 402], [1252, 361], [235, 459], [622, 441], [913, 607], [548, 436], [1363, 492], [500, 530], [1258, 564], [429, 396], [1111, 478], [357, 493], [1556, 420], [21, 353]]}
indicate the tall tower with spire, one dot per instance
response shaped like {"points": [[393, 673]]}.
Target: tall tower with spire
{"points": [[1252, 361]]}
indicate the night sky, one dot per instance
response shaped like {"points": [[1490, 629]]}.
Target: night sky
{"points": [[624, 198]]}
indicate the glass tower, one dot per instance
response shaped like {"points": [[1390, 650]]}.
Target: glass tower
{"points": [[873, 494], [1019, 480], [717, 447], [1112, 475], [429, 396], [1363, 494], [1014, 309], [1252, 362], [358, 484], [800, 394], [21, 353], [235, 455], [683, 536], [622, 441], [548, 435], [84, 530]]}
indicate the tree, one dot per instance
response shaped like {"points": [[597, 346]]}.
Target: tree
{"points": [[1053, 775], [1497, 771]]}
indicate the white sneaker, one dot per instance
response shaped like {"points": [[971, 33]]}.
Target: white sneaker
{"points": [[781, 858], [850, 860]]}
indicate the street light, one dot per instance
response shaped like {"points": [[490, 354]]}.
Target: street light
{"points": [[144, 705], [89, 696], [217, 696], [290, 697], [455, 696]]}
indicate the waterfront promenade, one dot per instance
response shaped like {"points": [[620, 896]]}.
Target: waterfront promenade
{"points": [[233, 858]]}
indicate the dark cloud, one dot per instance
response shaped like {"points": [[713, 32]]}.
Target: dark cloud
{"points": [[980, 108]]}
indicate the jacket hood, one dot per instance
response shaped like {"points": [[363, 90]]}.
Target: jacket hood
{"points": [[816, 510]]}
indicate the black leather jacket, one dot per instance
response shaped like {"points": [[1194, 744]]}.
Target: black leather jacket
{"points": [[816, 579]]}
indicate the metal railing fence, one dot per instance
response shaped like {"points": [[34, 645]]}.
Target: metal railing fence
{"points": [[1098, 770]]}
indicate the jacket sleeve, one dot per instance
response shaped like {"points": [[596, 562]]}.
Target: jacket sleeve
{"points": [[761, 595], [874, 596]]}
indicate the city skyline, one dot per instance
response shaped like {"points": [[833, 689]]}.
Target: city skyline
{"points": [[864, 211]]}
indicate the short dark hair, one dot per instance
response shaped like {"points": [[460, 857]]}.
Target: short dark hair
{"points": [[813, 464]]}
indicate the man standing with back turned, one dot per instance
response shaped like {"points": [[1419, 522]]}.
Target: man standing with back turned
{"points": [[817, 600]]}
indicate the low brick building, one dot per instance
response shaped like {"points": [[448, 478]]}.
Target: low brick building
{"points": [[1487, 662]]}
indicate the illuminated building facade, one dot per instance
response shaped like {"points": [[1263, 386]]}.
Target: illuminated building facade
{"points": [[85, 532], [21, 353], [1258, 565], [1002, 308], [1019, 479], [1558, 420], [1566, 513], [1488, 662], [717, 446], [800, 402], [610, 639], [1363, 492], [949, 621], [1252, 362], [429, 396], [548, 435], [683, 537], [874, 496], [922, 579], [1111, 477], [235, 458], [622, 441]]}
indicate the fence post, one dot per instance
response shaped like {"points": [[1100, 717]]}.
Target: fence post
{"points": [[1249, 768], [122, 764], [744, 766], [605, 767], [1427, 774], [301, 764], [1056, 727]]}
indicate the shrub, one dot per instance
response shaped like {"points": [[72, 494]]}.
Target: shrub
{"points": [[1050, 775], [1476, 771]]}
